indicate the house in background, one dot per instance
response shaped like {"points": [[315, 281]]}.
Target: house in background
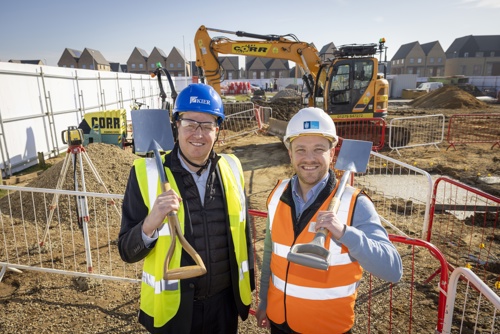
{"points": [[266, 68], [435, 59], [88, 59], [137, 62], [115, 67], [423, 60], [230, 65], [327, 51], [177, 65], [93, 60], [474, 56], [156, 56], [31, 62], [69, 58]]}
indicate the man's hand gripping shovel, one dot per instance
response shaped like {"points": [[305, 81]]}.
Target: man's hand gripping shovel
{"points": [[353, 157], [153, 133]]}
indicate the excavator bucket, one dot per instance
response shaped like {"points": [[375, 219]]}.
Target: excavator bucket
{"points": [[277, 127]]}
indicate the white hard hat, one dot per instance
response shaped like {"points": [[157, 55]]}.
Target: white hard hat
{"points": [[310, 121]]}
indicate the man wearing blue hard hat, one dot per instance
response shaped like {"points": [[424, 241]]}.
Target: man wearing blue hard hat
{"points": [[211, 206]]}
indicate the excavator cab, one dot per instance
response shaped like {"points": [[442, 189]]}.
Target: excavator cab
{"points": [[352, 87]]}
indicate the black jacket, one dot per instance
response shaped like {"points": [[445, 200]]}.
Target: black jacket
{"points": [[210, 219]]}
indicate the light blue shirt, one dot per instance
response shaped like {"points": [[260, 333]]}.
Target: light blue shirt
{"points": [[311, 195]]}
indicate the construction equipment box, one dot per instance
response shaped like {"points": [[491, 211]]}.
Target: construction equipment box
{"points": [[108, 126]]}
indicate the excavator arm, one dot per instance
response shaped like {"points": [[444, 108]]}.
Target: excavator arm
{"points": [[305, 55]]}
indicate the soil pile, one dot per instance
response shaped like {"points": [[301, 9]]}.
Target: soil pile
{"points": [[111, 163], [112, 167], [285, 104], [448, 97]]}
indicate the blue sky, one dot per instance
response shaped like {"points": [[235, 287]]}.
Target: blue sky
{"points": [[34, 29]]}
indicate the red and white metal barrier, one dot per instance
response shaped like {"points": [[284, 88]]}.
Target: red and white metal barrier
{"points": [[464, 224], [475, 128], [368, 129]]}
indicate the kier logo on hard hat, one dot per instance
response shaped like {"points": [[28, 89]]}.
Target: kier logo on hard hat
{"points": [[195, 99], [311, 125]]}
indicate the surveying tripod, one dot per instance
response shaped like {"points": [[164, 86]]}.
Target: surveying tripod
{"points": [[73, 137]]}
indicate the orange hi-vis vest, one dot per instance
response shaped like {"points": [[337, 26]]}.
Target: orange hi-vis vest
{"points": [[311, 300]]}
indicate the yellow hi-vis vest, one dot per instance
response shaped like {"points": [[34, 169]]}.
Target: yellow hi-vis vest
{"points": [[160, 299], [311, 300]]}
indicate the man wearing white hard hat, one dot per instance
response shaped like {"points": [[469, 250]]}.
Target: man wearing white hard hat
{"points": [[295, 298]]}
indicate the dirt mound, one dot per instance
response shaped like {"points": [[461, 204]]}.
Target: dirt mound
{"points": [[111, 163], [284, 104], [285, 94], [448, 97]]}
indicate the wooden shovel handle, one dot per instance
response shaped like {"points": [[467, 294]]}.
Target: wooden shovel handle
{"points": [[333, 207], [175, 231]]}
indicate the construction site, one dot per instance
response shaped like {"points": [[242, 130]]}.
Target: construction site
{"points": [[61, 277]]}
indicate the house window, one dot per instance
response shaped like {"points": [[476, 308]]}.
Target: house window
{"points": [[489, 69], [179, 65], [479, 54], [476, 70], [440, 59], [171, 65], [152, 65], [466, 55], [91, 66], [410, 70], [141, 66], [132, 66], [397, 61], [84, 66], [431, 60], [262, 74], [419, 60], [402, 61], [72, 66], [230, 75], [492, 54], [412, 60], [254, 75]]}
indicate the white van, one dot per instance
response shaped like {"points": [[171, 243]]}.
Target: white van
{"points": [[429, 86]]}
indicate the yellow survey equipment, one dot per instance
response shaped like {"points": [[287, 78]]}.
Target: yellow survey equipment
{"points": [[72, 136]]}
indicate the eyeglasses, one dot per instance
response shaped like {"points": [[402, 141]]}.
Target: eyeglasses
{"points": [[191, 125]]}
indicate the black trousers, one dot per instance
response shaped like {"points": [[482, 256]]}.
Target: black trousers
{"points": [[276, 330], [215, 315]]}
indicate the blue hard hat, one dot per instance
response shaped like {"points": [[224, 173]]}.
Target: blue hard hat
{"points": [[199, 97]]}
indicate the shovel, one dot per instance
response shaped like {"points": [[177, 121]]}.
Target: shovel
{"points": [[353, 157], [153, 133]]}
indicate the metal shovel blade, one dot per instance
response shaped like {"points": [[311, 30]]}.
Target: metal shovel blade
{"points": [[151, 129], [353, 157]]}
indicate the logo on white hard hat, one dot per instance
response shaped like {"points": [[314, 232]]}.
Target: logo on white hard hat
{"points": [[311, 125], [195, 99]]}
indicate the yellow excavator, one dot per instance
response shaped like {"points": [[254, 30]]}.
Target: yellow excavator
{"points": [[348, 85]]}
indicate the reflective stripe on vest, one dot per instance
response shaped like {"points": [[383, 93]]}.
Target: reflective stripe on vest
{"points": [[301, 295], [273, 203], [160, 299], [233, 181]]}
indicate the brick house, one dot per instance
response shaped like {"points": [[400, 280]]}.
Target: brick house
{"points": [[69, 58], [137, 62], [474, 56], [420, 59]]}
